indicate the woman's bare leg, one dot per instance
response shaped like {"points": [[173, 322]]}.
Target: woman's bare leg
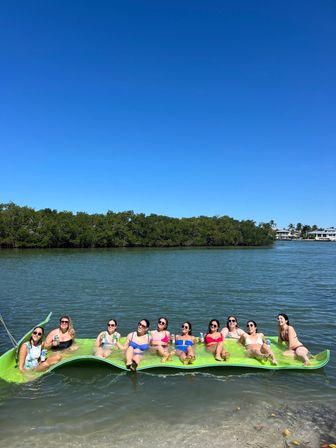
{"points": [[302, 354], [182, 356], [190, 355], [129, 356], [49, 362], [103, 353], [265, 349]]}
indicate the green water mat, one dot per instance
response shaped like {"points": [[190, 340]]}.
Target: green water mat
{"points": [[10, 372]]}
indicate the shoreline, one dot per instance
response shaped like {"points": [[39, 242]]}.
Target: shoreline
{"points": [[307, 424]]}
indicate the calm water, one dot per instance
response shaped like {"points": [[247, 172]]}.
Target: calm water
{"points": [[96, 406]]}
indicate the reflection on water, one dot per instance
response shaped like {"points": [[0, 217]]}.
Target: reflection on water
{"points": [[83, 405]]}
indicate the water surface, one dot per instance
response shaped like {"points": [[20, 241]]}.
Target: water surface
{"points": [[94, 406]]}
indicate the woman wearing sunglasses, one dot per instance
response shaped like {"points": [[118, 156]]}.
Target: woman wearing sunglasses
{"points": [[232, 330], [62, 337], [214, 341], [255, 343], [288, 335], [30, 353], [137, 343], [184, 344], [107, 340], [161, 338]]}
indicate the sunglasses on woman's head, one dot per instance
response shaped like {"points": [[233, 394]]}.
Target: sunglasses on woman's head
{"points": [[64, 321], [111, 325], [141, 325], [161, 322], [37, 333], [232, 320], [213, 326], [250, 325], [185, 326]]}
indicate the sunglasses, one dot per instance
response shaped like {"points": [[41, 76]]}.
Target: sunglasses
{"points": [[232, 320], [37, 333], [250, 325], [111, 325], [64, 321], [141, 325], [185, 326], [213, 326], [161, 322]]}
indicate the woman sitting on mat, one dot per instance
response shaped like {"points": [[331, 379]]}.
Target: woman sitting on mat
{"points": [[30, 353], [288, 335], [232, 330], [255, 343], [161, 338], [107, 340], [214, 341], [137, 343], [184, 344], [62, 337]]}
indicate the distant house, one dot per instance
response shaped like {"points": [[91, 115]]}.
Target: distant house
{"points": [[324, 234], [287, 234]]}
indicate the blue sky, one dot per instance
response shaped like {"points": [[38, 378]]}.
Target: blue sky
{"points": [[182, 108]]}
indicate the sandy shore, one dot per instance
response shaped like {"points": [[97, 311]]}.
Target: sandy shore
{"points": [[308, 425]]}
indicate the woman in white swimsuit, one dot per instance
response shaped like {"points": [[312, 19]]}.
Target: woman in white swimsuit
{"points": [[30, 353], [255, 343], [107, 340], [232, 330]]}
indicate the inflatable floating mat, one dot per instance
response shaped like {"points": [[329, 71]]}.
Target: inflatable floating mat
{"points": [[10, 372]]}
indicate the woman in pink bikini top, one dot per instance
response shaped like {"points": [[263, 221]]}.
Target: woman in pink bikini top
{"points": [[161, 339]]}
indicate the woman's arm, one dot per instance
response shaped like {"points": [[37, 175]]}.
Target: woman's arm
{"points": [[99, 339], [279, 337], [50, 338], [241, 340], [126, 344], [224, 332], [22, 356]]}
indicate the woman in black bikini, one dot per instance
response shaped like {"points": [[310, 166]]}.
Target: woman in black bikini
{"points": [[62, 337], [288, 335]]}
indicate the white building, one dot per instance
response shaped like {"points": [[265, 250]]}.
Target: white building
{"points": [[287, 234], [324, 234]]}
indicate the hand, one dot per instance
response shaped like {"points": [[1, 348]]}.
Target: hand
{"points": [[55, 343]]}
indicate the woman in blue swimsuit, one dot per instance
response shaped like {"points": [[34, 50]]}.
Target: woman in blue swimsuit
{"points": [[184, 344], [137, 343]]}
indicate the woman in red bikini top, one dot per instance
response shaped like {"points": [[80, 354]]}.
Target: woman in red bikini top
{"points": [[161, 339], [288, 335], [214, 341]]}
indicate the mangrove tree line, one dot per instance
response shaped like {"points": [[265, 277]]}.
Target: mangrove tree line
{"points": [[25, 227]]}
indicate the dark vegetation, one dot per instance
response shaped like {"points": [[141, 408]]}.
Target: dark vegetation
{"points": [[25, 227]]}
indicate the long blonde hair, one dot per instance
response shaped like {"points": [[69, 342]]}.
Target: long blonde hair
{"points": [[71, 329]]}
